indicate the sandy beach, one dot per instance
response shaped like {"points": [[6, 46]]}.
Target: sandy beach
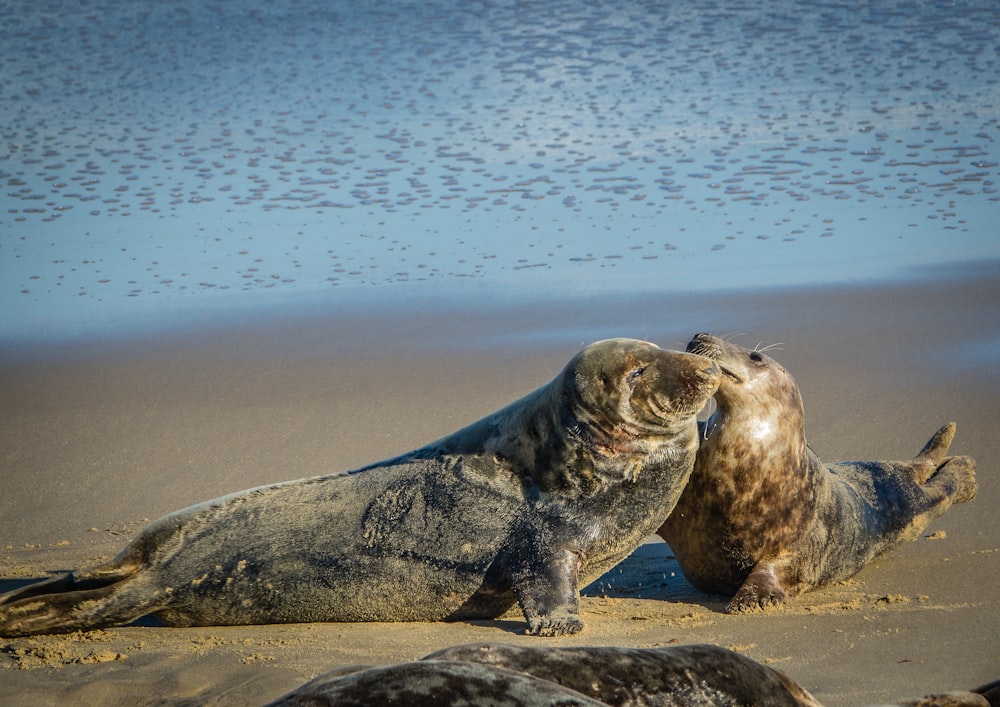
{"points": [[101, 438]]}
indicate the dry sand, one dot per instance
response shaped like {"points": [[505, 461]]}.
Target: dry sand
{"points": [[98, 439]]}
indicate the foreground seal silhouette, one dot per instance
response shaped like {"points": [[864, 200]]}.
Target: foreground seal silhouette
{"points": [[529, 504], [503, 675], [500, 674], [763, 517]]}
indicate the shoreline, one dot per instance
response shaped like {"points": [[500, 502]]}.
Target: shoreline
{"points": [[472, 308], [171, 315], [110, 436]]}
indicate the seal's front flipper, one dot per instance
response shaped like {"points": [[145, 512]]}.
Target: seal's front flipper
{"points": [[766, 586], [549, 594]]}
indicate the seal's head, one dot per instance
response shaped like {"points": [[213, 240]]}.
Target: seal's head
{"points": [[753, 385], [625, 390]]}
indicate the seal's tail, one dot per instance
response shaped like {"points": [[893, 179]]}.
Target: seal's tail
{"points": [[70, 602]]}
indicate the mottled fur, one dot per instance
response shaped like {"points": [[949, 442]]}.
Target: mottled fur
{"points": [[676, 675], [763, 517], [500, 674], [527, 505], [692, 676], [436, 683]]}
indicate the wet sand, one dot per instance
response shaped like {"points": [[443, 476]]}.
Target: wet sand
{"points": [[100, 438]]}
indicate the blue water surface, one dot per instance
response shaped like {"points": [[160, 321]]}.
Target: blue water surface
{"points": [[173, 156]]}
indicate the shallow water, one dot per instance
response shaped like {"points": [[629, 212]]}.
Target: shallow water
{"points": [[159, 157]]}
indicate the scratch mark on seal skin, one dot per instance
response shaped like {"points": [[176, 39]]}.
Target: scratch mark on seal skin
{"points": [[764, 518]]}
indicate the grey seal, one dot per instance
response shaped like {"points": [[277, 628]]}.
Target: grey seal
{"points": [[500, 674], [764, 519], [526, 505], [435, 683], [527, 676]]}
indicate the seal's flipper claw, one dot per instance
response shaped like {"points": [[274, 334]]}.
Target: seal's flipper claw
{"points": [[751, 598], [555, 627], [937, 446]]}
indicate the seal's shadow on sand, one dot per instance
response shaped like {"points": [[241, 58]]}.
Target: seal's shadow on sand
{"points": [[9, 585], [651, 572]]}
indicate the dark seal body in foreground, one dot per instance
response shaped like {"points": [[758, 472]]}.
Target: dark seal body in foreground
{"points": [[763, 517], [500, 674], [527, 505], [516, 676]]}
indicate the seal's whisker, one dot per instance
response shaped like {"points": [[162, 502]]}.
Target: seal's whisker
{"points": [[770, 347], [705, 417]]}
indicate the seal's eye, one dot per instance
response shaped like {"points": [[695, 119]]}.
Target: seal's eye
{"points": [[634, 375], [756, 357]]}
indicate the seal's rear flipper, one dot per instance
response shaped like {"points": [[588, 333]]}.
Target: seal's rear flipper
{"points": [[51, 613], [55, 584], [937, 446], [108, 573], [112, 605], [70, 602], [933, 454], [71, 582], [956, 478]]}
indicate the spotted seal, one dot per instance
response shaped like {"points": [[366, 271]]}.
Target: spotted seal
{"points": [[437, 683], [526, 505], [501, 674], [763, 517], [528, 676]]}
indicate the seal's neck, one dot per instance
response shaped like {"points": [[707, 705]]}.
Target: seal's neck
{"points": [[555, 448], [753, 440]]}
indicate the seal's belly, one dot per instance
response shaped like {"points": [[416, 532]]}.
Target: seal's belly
{"points": [[381, 589]]}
